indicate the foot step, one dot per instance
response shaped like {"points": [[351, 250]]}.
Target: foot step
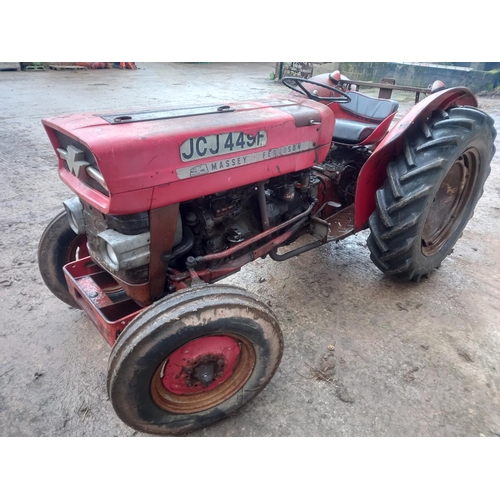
{"points": [[342, 223]]}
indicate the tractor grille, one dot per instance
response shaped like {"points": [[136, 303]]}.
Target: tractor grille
{"points": [[64, 142]]}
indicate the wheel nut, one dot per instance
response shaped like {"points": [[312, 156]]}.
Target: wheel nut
{"points": [[189, 383], [220, 362]]}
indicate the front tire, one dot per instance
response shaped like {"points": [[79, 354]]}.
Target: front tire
{"points": [[430, 192], [59, 245], [193, 358]]}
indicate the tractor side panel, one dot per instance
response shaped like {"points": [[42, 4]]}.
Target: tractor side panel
{"points": [[195, 187], [374, 171]]}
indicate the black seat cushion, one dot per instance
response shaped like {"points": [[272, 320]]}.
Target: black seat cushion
{"points": [[351, 132], [368, 107]]}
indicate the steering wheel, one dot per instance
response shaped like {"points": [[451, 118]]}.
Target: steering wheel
{"points": [[287, 81]]}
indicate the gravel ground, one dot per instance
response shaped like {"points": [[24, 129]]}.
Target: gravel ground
{"points": [[408, 359]]}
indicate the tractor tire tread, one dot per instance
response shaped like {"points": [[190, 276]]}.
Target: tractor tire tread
{"points": [[412, 181]]}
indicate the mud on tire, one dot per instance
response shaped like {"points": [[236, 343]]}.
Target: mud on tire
{"points": [[140, 359], [430, 192]]}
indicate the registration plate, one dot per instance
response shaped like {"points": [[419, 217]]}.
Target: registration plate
{"points": [[207, 146]]}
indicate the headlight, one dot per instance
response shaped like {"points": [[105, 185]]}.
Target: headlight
{"points": [[124, 251], [74, 209], [112, 255]]}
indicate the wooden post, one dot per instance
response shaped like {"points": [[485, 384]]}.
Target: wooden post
{"points": [[386, 93]]}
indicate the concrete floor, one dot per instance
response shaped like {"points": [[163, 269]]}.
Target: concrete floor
{"points": [[411, 359]]}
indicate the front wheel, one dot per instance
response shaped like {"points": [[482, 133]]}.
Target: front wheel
{"points": [[192, 359], [59, 245], [430, 192]]}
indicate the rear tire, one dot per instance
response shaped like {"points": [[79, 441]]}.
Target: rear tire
{"points": [[430, 192]]}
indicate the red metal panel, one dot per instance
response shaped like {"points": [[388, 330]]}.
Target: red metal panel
{"points": [[110, 318], [378, 134], [178, 370], [136, 157], [220, 181]]}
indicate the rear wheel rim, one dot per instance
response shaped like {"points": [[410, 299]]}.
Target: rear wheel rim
{"points": [[450, 202], [189, 384]]}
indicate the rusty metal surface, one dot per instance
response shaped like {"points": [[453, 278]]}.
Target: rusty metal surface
{"points": [[342, 223], [450, 202], [190, 403], [209, 275], [261, 194], [387, 88], [200, 365], [276, 242], [381, 85], [254, 239], [293, 253], [98, 298], [180, 280], [139, 293], [109, 317], [163, 223]]}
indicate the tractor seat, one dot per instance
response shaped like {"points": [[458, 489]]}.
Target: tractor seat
{"points": [[364, 107], [351, 132]]}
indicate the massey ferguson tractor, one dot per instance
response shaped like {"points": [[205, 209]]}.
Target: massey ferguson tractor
{"points": [[169, 201]]}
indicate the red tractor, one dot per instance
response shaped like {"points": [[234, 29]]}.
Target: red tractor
{"points": [[170, 201]]}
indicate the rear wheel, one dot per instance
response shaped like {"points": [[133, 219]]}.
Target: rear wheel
{"points": [[430, 192], [58, 246], [192, 359]]}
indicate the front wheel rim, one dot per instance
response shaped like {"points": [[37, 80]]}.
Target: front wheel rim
{"points": [[450, 202], [184, 383], [77, 249]]}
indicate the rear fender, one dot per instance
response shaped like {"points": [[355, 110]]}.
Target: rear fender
{"points": [[374, 171]]}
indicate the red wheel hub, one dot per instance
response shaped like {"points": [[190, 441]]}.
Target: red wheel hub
{"points": [[200, 365]]}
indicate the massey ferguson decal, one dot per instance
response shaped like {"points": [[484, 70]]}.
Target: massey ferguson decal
{"points": [[198, 148], [238, 161]]}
